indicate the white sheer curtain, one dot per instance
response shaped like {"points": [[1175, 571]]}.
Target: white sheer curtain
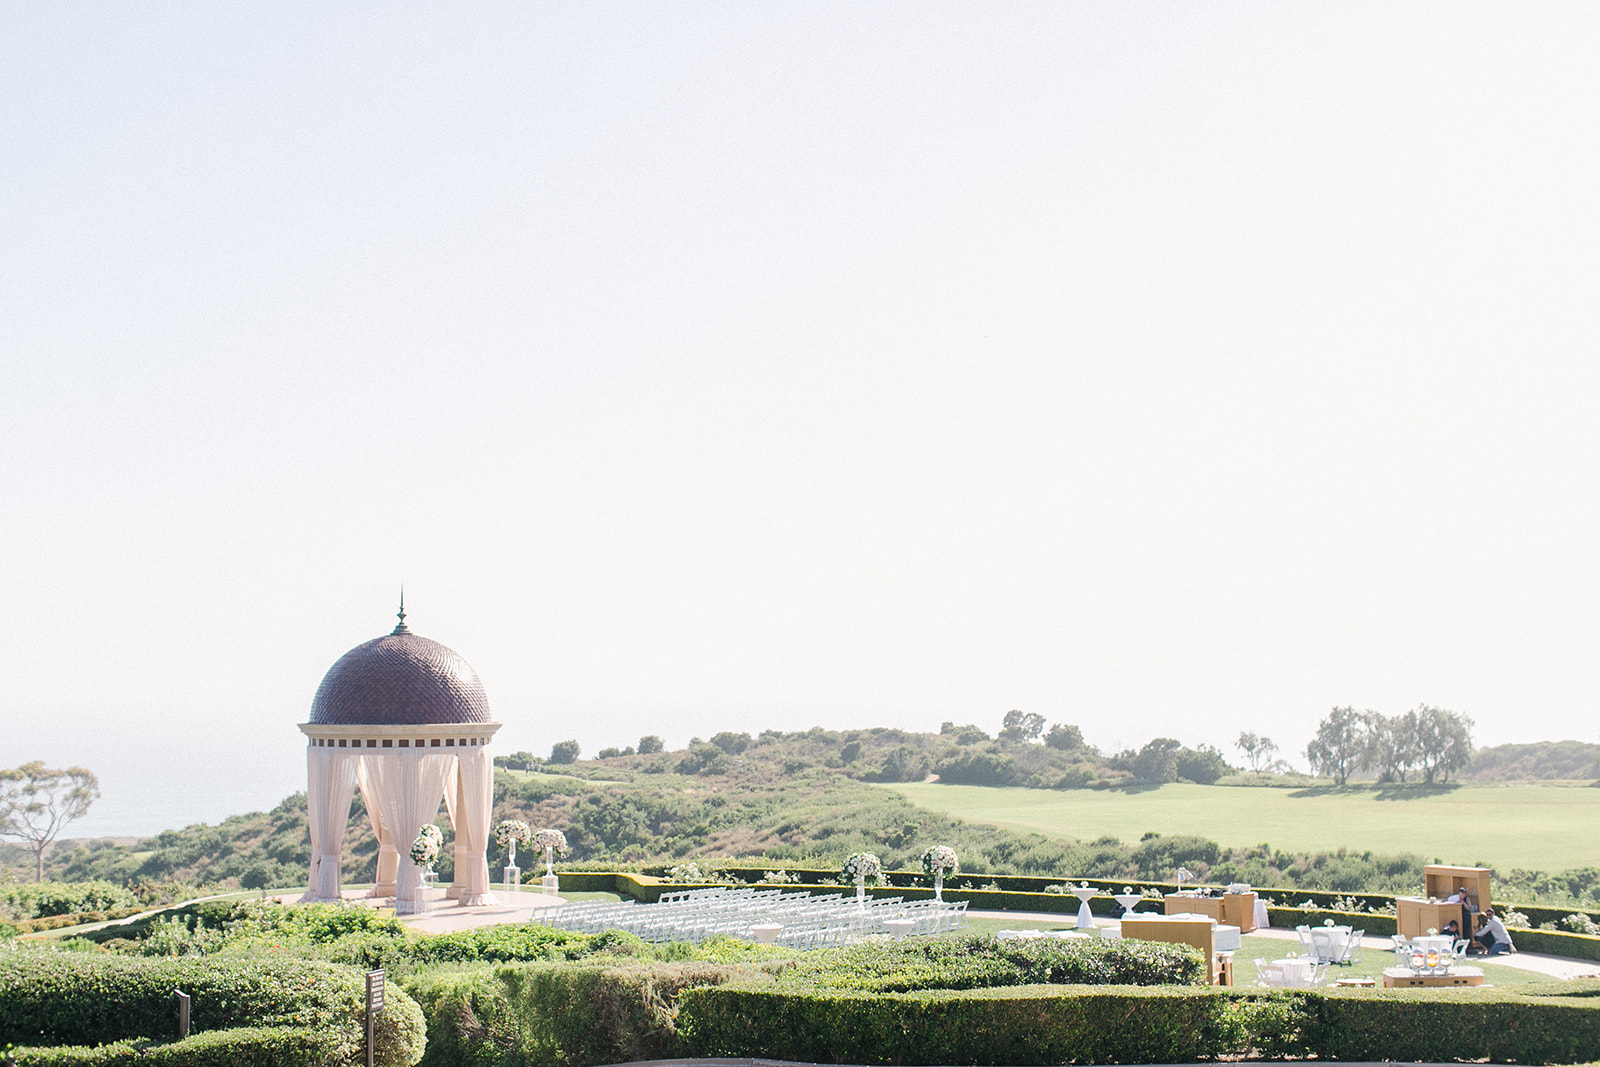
{"points": [[330, 783], [369, 775], [474, 808], [452, 802], [410, 785]]}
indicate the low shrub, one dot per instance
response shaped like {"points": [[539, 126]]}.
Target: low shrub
{"points": [[1557, 943], [1556, 1023], [81, 999], [983, 962], [245, 1046], [34, 900], [1374, 925], [572, 1014], [1018, 1025]]}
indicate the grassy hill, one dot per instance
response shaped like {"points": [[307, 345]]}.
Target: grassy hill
{"points": [[811, 798], [1531, 826]]}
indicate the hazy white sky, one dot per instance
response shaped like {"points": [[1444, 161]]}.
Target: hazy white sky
{"points": [[1163, 368]]}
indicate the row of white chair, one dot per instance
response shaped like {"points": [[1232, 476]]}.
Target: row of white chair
{"points": [[806, 920]]}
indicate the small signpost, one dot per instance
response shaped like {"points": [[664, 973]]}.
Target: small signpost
{"points": [[180, 1001], [374, 1006]]}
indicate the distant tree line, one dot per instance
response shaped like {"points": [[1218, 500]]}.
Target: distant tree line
{"points": [[1426, 742]]}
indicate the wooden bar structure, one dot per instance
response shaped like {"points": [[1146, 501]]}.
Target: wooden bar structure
{"points": [[1415, 916], [1235, 909], [1180, 930]]}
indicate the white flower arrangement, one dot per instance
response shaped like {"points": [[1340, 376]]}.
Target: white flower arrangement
{"points": [[553, 839], [940, 860], [425, 849], [512, 830], [861, 866], [686, 872]]}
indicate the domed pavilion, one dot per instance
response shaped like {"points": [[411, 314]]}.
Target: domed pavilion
{"points": [[405, 720]]}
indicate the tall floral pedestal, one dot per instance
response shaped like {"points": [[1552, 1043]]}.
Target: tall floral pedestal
{"points": [[1085, 916], [549, 884], [513, 878]]}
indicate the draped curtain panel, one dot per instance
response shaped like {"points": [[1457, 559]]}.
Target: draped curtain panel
{"points": [[474, 809], [452, 804], [388, 858], [410, 786], [330, 785]]}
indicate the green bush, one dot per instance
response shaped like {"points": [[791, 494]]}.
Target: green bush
{"points": [[1557, 943], [81, 999], [1018, 1025], [245, 1046], [980, 962], [1374, 925], [1559, 1023], [573, 1014], [1556, 1023], [35, 900]]}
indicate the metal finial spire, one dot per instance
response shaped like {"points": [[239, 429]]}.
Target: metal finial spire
{"points": [[401, 627]]}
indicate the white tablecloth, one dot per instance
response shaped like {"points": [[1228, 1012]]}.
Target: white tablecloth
{"points": [[1296, 971], [1261, 913], [1330, 942]]}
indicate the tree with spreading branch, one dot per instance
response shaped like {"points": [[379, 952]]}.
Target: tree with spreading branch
{"points": [[1341, 745], [37, 802]]}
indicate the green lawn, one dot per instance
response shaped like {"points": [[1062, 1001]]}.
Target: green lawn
{"points": [[1539, 827]]}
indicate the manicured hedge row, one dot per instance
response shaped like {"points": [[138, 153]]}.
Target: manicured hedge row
{"points": [[1557, 943], [1033, 1024], [1542, 915], [584, 1014], [245, 1046], [1374, 925], [572, 1014], [79, 999], [1017, 1025], [1543, 1024]]}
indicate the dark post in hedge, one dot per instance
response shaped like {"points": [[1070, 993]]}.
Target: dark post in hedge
{"points": [[180, 1001], [374, 1005]]}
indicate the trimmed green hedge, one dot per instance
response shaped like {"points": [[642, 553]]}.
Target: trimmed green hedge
{"points": [[1034, 1024], [985, 962], [245, 1046], [572, 1014], [1556, 943], [1374, 925], [81, 999], [1017, 1025], [582, 1014], [1538, 1024]]}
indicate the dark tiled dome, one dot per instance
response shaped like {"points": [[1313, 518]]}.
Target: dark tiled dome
{"points": [[400, 679]]}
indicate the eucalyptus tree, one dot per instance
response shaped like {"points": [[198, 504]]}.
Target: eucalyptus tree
{"points": [[37, 802]]}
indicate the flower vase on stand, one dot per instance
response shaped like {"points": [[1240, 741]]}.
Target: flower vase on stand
{"points": [[938, 887], [513, 872], [429, 879], [861, 893], [549, 884]]}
